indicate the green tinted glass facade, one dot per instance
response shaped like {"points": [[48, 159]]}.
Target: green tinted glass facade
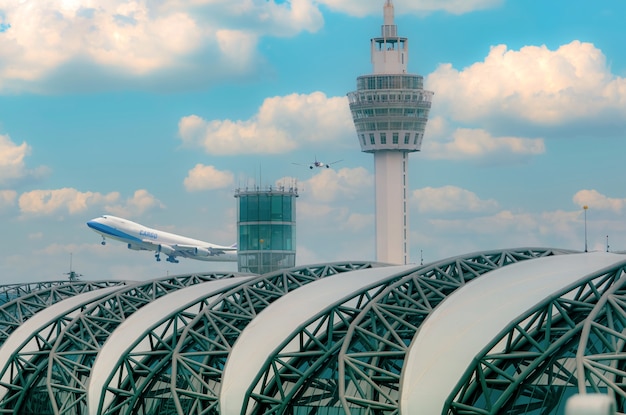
{"points": [[266, 230]]}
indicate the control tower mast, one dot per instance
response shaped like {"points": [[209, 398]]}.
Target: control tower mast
{"points": [[390, 109]]}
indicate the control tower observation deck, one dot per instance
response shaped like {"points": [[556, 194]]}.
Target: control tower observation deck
{"points": [[390, 109]]}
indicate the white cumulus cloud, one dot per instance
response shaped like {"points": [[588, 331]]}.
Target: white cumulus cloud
{"points": [[140, 202], [361, 8], [66, 200], [281, 125], [596, 200], [478, 144], [7, 198], [12, 165], [346, 183], [47, 41], [203, 177], [72, 201], [450, 199], [533, 84]]}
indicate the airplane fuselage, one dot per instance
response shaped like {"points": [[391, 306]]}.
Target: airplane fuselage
{"points": [[139, 237]]}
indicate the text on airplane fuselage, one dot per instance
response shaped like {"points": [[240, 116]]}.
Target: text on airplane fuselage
{"points": [[151, 235]]}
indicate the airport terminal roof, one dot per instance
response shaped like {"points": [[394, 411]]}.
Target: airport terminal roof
{"points": [[503, 331]]}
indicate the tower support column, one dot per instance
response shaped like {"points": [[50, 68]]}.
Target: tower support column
{"points": [[392, 244]]}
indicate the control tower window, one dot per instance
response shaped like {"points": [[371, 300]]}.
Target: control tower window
{"points": [[383, 138], [395, 138]]}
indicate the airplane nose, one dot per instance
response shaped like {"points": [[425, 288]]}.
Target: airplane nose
{"points": [[95, 224]]}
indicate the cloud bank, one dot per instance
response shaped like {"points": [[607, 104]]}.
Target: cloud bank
{"points": [[481, 146], [203, 177], [52, 46], [282, 124], [596, 200], [12, 165], [76, 43], [534, 85], [361, 8], [450, 199], [71, 201]]}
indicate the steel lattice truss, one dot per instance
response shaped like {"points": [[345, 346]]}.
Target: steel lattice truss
{"points": [[291, 381], [601, 353], [21, 301], [10, 292], [181, 372], [350, 355], [372, 356], [307, 380], [538, 360], [51, 378]]}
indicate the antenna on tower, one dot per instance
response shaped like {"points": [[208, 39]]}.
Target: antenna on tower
{"points": [[72, 276]]}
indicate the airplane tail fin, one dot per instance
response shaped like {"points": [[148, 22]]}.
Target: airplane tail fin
{"points": [[234, 245]]}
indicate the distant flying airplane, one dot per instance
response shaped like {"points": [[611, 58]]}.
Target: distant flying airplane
{"points": [[142, 238], [318, 164]]}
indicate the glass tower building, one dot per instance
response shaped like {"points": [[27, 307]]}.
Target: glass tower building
{"points": [[390, 109], [266, 229]]}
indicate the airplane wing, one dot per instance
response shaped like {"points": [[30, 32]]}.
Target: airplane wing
{"points": [[185, 251], [204, 251], [188, 250]]}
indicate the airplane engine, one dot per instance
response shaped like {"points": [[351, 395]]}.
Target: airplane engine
{"points": [[166, 249], [136, 247], [202, 252]]}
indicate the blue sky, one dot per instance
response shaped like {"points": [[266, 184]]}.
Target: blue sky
{"points": [[158, 110]]}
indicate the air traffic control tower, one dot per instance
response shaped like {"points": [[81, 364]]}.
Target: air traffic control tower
{"points": [[266, 228], [390, 109]]}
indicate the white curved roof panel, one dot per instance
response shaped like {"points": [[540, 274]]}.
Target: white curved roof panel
{"points": [[265, 334], [125, 336], [470, 318], [18, 340]]}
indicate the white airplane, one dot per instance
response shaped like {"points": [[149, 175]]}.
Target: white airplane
{"points": [[142, 238], [318, 164]]}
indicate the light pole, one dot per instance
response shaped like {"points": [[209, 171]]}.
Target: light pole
{"points": [[585, 210]]}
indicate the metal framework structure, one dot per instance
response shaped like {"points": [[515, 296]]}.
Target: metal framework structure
{"points": [[572, 343], [19, 302], [313, 378], [180, 373], [305, 380], [50, 376], [345, 357], [371, 358]]}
